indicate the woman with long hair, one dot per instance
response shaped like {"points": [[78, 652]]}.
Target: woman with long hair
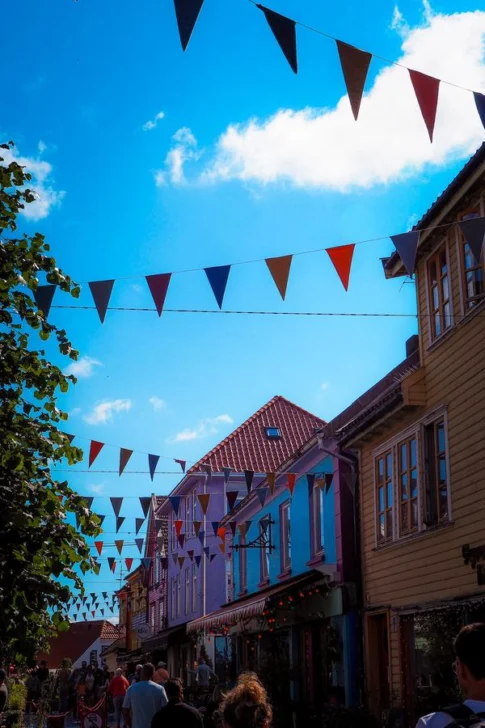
{"points": [[247, 705]]}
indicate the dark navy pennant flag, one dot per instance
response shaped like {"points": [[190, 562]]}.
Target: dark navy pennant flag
{"points": [[310, 480], [116, 503], [202, 537], [145, 504], [43, 296], [152, 465], [249, 475], [231, 498], [261, 493], [146, 562], [227, 473], [198, 559], [217, 278], [119, 522], [187, 12], [175, 503], [139, 543], [101, 293], [215, 526], [406, 245], [138, 524], [480, 104], [473, 231], [285, 33]]}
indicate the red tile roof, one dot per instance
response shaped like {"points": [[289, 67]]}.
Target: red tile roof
{"points": [[248, 447], [78, 638]]}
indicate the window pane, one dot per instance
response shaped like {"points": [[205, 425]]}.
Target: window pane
{"points": [[435, 299], [381, 534], [443, 263], [447, 315], [404, 487], [389, 495], [414, 514], [414, 483], [404, 452], [437, 324], [388, 524], [443, 503], [432, 273], [413, 452], [442, 471], [389, 466], [381, 499], [380, 468], [440, 430], [404, 517], [445, 288]]}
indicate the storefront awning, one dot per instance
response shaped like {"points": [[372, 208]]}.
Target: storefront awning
{"points": [[246, 608], [163, 639]]}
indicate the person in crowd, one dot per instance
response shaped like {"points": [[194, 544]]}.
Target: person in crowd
{"points": [[73, 682], [176, 714], [161, 675], [469, 647], [33, 691], [203, 673], [247, 705], [143, 699], [135, 678], [84, 667], [117, 688], [3, 691], [43, 671], [212, 716], [62, 684], [90, 680]]}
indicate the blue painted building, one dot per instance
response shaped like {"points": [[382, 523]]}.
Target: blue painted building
{"points": [[291, 548]]}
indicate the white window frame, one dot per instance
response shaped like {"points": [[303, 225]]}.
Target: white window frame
{"points": [[194, 587], [187, 590], [285, 546], [173, 606], [465, 312], [317, 544], [264, 564], [446, 243], [177, 595], [188, 514], [441, 413], [243, 566]]}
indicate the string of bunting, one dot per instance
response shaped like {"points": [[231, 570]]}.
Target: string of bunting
{"points": [[354, 62], [341, 256]]}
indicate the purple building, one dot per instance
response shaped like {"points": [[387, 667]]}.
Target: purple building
{"points": [[199, 563]]}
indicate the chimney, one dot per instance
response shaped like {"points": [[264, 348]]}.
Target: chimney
{"points": [[412, 345]]}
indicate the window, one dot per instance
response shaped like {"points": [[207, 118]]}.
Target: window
{"points": [[384, 496], [437, 486], [187, 590], [194, 509], [194, 587], [172, 532], [242, 564], [407, 478], [471, 269], [263, 551], [285, 536], [173, 605], [316, 520], [272, 433], [152, 617], [177, 595], [439, 292], [161, 620]]}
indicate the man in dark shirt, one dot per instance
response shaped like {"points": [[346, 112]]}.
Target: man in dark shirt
{"points": [[176, 714]]}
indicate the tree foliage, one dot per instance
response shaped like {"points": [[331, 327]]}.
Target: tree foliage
{"points": [[38, 547]]}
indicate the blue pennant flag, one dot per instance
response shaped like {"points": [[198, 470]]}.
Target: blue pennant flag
{"points": [[152, 464], [175, 503], [217, 277]]}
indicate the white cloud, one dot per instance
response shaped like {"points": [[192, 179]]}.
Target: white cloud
{"points": [[326, 149], [324, 386], [41, 146], [149, 125], [46, 196], [75, 411], [157, 403], [160, 178], [83, 367], [98, 489], [184, 150], [207, 426], [103, 411]]}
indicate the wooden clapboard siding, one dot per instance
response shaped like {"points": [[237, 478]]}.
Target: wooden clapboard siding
{"points": [[429, 567]]}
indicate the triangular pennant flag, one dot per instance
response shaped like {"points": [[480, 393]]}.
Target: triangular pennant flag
{"points": [[152, 465], [138, 524], [249, 475], [101, 293], [280, 270], [158, 285], [181, 560], [116, 503], [202, 537], [310, 480], [85, 599], [231, 498], [328, 480], [227, 473], [182, 464], [125, 455], [93, 613], [285, 33], [190, 554], [480, 104], [197, 527], [43, 296], [112, 563], [473, 231], [355, 64], [102, 612], [208, 470], [78, 607], [85, 614], [145, 504], [233, 526], [426, 89], [341, 257], [406, 245], [105, 595], [70, 438], [187, 12], [320, 482], [101, 519], [248, 525], [174, 556], [94, 449], [222, 547], [139, 543], [99, 546], [243, 529], [181, 540], [215, 526], [89, 502], [221, 532], [174, 501], [217, 278], [178, 526], [93, 597], [74, 616], [212, 557], [146, 562], [198, 559], [204, 501], [78, 522], [119, 546], [271, 480], [207, 551], [290, 482], [261, 493], [119, 522]]}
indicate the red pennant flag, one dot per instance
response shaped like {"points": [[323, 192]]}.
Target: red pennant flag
{"points": [[178, 526], [222, 547], [125, 455], [285, 33], [112, 565], [280, 270], [119, 546], [128, 563], [93, 613], [99, 546], [197, 526], [341, 258], [60, 498], [291, 480], [221, 532], [355, 64], [158, 286], [426, 89], [101, 293], [204, 501], [94, 450]]}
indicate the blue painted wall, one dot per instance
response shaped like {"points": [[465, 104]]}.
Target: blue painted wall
{"points": [[300, 532]]}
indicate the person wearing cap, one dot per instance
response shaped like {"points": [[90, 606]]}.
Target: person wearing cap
{"points": [[161, 675]]}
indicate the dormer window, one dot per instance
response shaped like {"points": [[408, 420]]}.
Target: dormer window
{"points": [[273, 433]]}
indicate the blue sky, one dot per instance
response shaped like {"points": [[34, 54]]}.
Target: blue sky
{"points": [[205, 186]]}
